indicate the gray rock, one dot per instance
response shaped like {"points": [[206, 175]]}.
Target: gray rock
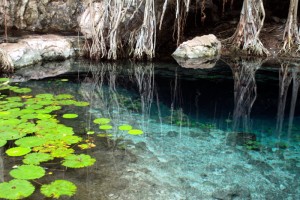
{"points": [[206, 46], [234, 192], [34, 49]]}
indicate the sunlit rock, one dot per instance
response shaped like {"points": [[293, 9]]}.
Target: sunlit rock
{"points": [[206, 46], [34, 49]]}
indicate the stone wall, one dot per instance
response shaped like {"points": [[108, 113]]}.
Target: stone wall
{"points": [[42, 15]]}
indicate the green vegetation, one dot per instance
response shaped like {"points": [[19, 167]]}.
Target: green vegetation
{"points": [[59, 188], [31, 123]]}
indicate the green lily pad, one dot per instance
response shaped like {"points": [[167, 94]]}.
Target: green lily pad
{"points": [[28, 172], [18, 151], [81, 103], [32, 141], [101, 121], [2, 142], [16, 189], [45, 96], [70, 116], [36, 158], [22, 90], [11, 134], [125, 127], [59, 188], [64, 80], [64, 96], [71, 139], [62, 152], [135, 132], [4, 80], [105, 127], [78, 161]]}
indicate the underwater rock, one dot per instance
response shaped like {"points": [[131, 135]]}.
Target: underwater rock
{"points": [[240, 138], [206, 46], [172, 134], [235, 192], [34, 49]]}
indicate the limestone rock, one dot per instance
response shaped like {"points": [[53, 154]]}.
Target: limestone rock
{"points": [[34, 49], [199, 47]]}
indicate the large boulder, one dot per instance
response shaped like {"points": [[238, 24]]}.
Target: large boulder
{"points": [[206, 46], [34, 49]]}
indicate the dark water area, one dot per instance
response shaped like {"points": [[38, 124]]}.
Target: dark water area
{"points": [[227, 132]]}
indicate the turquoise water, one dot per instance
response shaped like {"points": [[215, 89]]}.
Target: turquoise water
{"points": [[219, 133]]}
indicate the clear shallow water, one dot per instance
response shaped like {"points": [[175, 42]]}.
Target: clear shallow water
{"points": [[190, 117]]}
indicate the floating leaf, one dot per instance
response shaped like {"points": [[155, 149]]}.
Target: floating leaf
{"points": [[36, 158], [63, 96], [78, 161], [105, 127], [70, 116], [62, 152], [59, 188], [135, 132], [71, 139], [18, 151], [125, 127], [90, 132], [27, 172], [32, 141], [45, 96], [2, 142], [16, 189], [81, 103], [101, 121], [11, 134], [4, 80], [21, 90], [64, 80]]}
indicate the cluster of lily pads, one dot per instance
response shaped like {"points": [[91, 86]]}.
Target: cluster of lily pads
{"points": [[31, 123], [39, 137]]}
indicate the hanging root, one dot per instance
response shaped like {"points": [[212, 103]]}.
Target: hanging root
{"points": [[247, 33], [6, 63]]}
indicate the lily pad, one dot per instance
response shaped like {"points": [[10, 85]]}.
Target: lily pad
{"points": [[45, 96], [16, 189], [59, 188], [135, 132], [2, 80], [81, 103], [78, 161], [125, 127], [70, 116], [36, 158], [63, 96], [101, 121], [22, 90], [105, 127], [2, 142], [32, 141], [62, 152], [27, 172], [10, 134], [18, 151]]}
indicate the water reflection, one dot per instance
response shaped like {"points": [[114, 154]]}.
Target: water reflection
{"points": [[245, 91]]}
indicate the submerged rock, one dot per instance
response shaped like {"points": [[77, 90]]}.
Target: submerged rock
{"points": [[240, 138], [206, 46], [197, 63], [232, 192], [34, 49]]}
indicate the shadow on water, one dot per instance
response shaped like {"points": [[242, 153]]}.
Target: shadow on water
{"points": [[228, 130]]}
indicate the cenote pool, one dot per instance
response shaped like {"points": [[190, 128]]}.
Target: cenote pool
{"points": [[227, 132]]}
